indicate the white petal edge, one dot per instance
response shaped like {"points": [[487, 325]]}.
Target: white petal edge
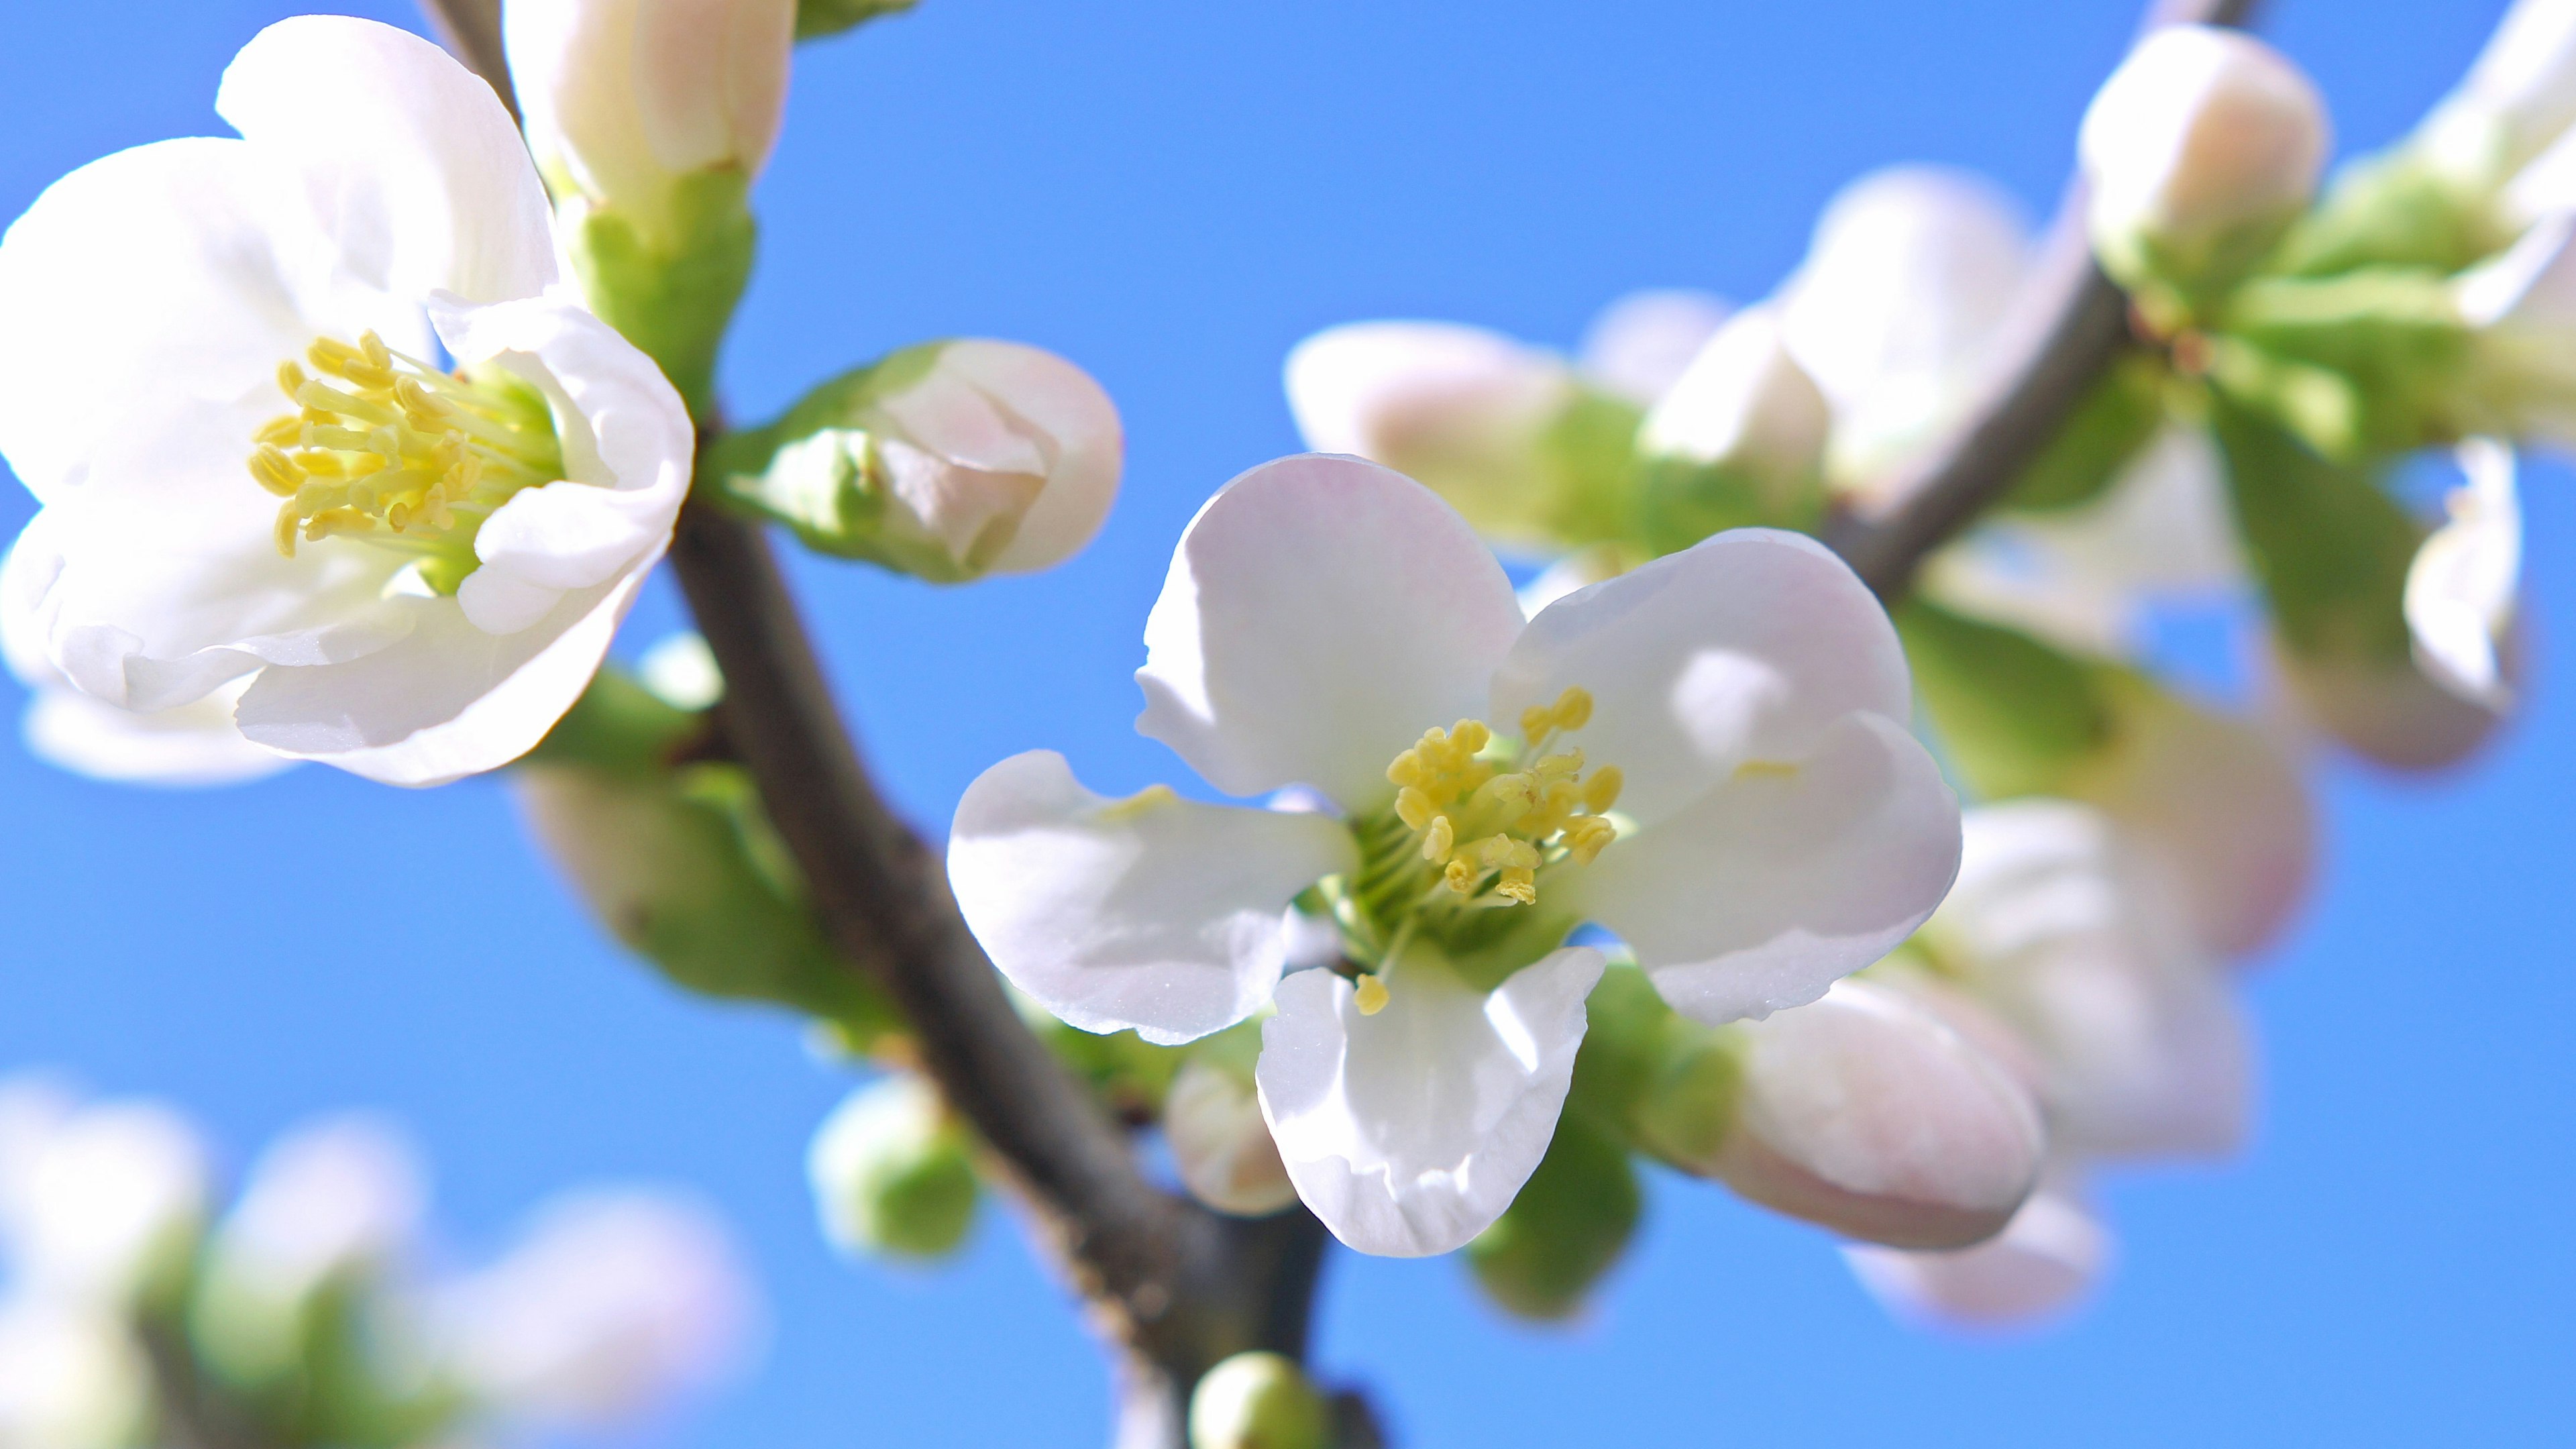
{"points": [[1767, 889], [1409, 1132], [1153, 912], [1321, 612], [2044, 1263]]}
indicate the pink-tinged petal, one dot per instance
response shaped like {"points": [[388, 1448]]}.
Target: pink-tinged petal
{"points": [[1639, 345], [1320, 614], [1151, 912], [1867, 1114], [1744, 647], [2053, 1253], [1768, 888], [1410, 1131]]}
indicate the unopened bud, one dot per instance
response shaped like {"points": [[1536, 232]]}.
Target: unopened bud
{"points": [[1738, 440], [1637, 346], [1258, 1401], [1567, 1228], [1866, 1114], [891, 1173], [1212, 1121], [1464, 411], [947, 461], [71, 1377], [2201, 149], [623, 98], [2042, 1263]]}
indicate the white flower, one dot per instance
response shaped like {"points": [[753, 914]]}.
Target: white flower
{"points": [[1868, 1113], [71, 1377], [1896, 307], [2073, 936], [417, 572], [2460, 590], [101, 1200], [1743, 402], [2043, 1262], [1463, 409], [623, 98], [192, 744], [2519, 96], [1710, 765], [1213, 1124], [1637, 346], [342, 1193], [2521, 304], [2199, 149], [612, 1305]]}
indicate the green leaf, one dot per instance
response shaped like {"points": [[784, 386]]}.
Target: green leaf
{"points": [[1567, 1228], [2329, 545], [2015, 714], [818, 18]]}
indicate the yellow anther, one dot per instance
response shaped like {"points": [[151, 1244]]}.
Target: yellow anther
{"points": [[1602, 790], [1573, 708], [1766, 770], [1439, 839], [1552, 767], [1406, 769], [1143, 802], [287, 521], [1536, 720], [1503, 850], [275, 471], [1371, 995], [1461, 876], [1586, 835], [1414, 808], [1471, 735], [1518, 885], [290, 378]]}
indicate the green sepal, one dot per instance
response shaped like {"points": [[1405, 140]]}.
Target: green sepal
{"points": [[1680, 502], [892, 1183], [1588, 459], [672, 290], [1129, 1074], [2107, 429], [1651, 1077], [2389, 338], [2014, 714], [2328, 544], [2390, 210], [816, 19], [1567, 1228]]}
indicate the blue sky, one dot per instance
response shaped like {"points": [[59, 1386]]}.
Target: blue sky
{"points": [[1172, 194]]}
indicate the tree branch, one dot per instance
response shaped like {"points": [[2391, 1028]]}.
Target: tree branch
{"points": [[2066, 328], [472, 29]]}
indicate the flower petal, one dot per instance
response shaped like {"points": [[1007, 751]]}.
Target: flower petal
{"points": [[1408, 1132], [2052, 1253], [409, 162], [1866, 1113], [1639, 345], [1766, 889], [1152, 912], [1739, 648], [2461, 587], [1321, 612]]}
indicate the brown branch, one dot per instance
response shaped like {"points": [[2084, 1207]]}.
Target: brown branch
{"points": [[472, 29], [2066, 328]]}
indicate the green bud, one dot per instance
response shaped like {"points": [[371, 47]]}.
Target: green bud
{"points": [[945, 461], [892, 1174], [1258, 1401], [2014, 715], [672, 293], [816, 19], [1567, 1228]]}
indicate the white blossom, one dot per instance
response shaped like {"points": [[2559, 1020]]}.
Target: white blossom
{"points": [[2517, 98], [1744, 403], [101, 1200], [2052, 1252], [225, 384], [1744, 808], [2462, 586], [71, 1377], [1637, 346], [345, 1192]]}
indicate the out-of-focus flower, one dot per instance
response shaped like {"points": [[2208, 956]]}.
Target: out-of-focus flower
{"points": [[2043, 1262], [1212, 1121], [2521, 305], [2200, 149], [1738, 708], [1745, 408], [949, 461], [1896, 307], [891, 1174], [625, 98], [218, 386], [2461, 589], [1258, 1401], [104, 1202], [339, 1193], [1639, 345], [2517, 98], [71, 1377], [614, 1304]]}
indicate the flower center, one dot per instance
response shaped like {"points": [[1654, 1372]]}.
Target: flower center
{"points": [[390, 450], [1469, 837]]}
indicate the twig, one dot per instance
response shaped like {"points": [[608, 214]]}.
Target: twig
{"points": [[472, 29], [191, 1413], [2066, 328]]}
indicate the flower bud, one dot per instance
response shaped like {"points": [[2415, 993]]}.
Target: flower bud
{"points": [[1258, 1401], [109, 1205], [1637, 346], [946, 461], [71, 1377], [2041, 1264], [1738, 440], [1864, 1113], [2201, 149], [1212, 1121], [2460, 590], [623, 98], [1464, 411], [1567, 1228], [891, 1173], [613, 1304]]}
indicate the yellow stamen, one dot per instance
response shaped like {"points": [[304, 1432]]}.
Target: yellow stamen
{"points": [[1766, 770], [1602, 790], [1438, 840], [1372, 995]]}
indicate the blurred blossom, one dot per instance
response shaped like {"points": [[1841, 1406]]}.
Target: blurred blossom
{"points": [[2517, 98], [2461, 589], [681, 671], [1743, 403], [71, 1377], [1904, 288], [338, 1193], [2200, 150], [2522, 305], [106, 1201], [613, 1305], [2042, 1263], [1212, 1121], [1637, 347]]}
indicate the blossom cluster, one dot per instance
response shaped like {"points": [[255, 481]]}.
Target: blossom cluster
{"points": [[139, 1309]]}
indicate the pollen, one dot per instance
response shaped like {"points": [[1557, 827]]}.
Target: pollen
{"points": [[389, 450], [1371, 993]]}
